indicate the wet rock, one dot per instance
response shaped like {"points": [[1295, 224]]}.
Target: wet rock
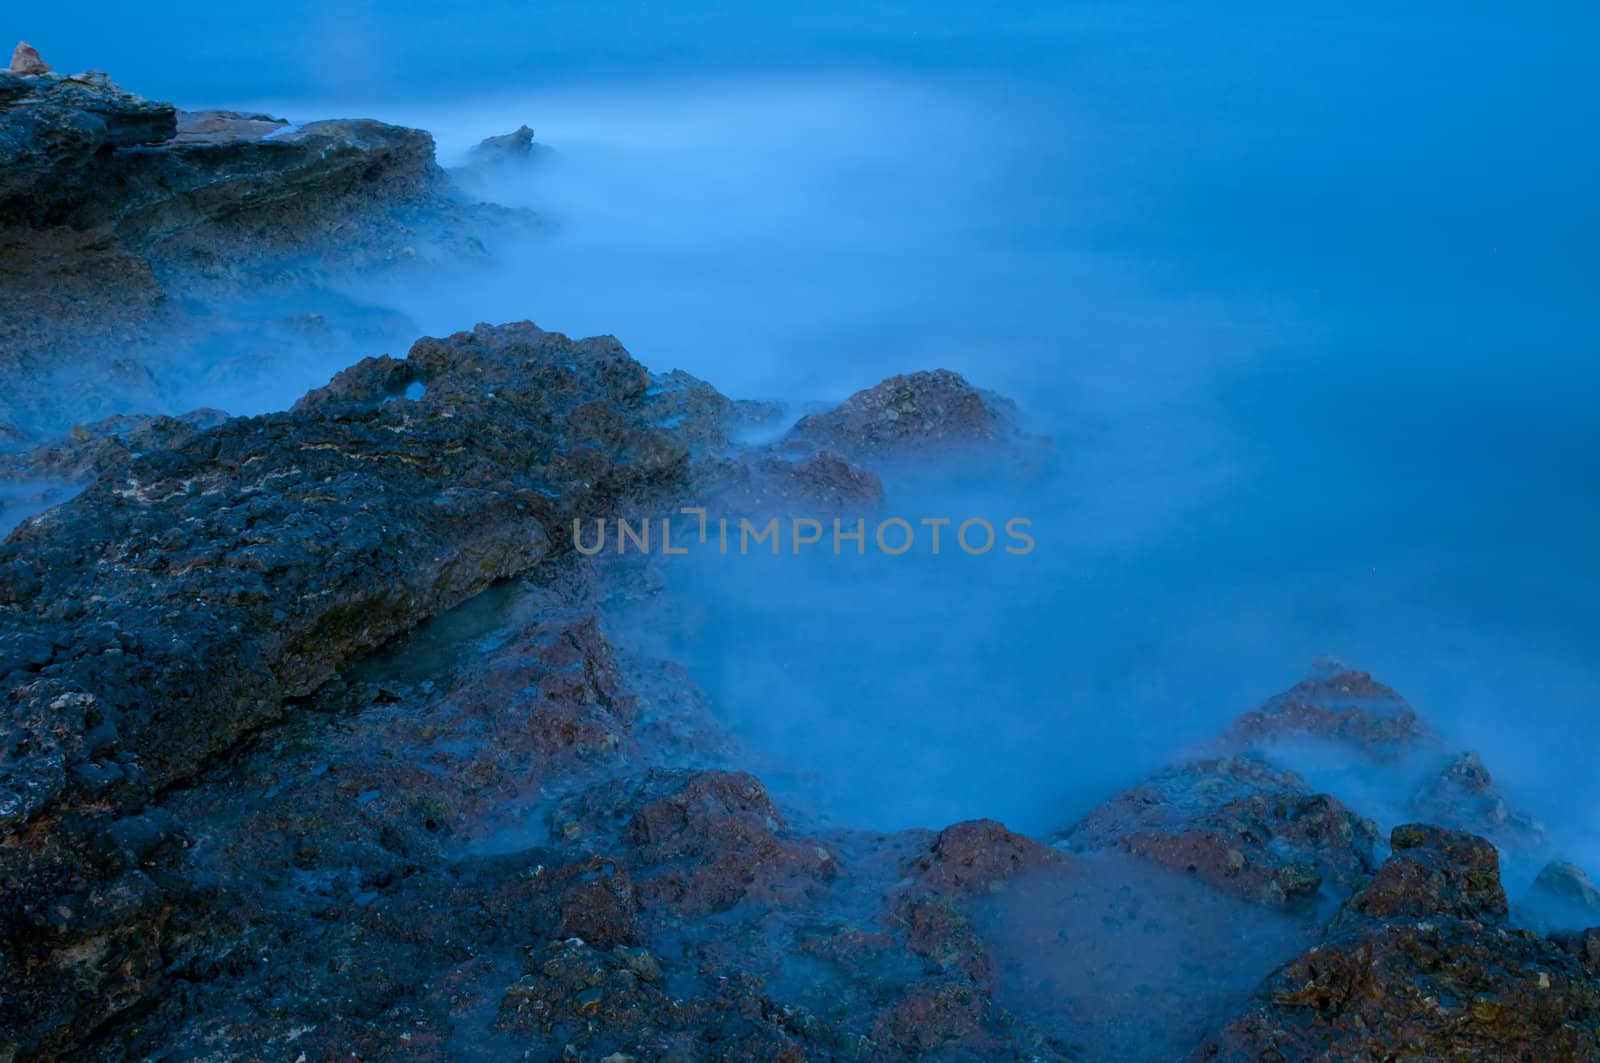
{"points": [[222, 127], [25, 61], [916, 413], [578, 996], [702, 842], [597, 905], [1434, 872], [244, 566], [124, 223], [1239, 824], [1584, 946], [515, 146], [1562, 897], [58, 141], [767, 485], [978, 857], [1463, 796], [93, 449], [1417, 966], [1338, 705], [936, 1018]]}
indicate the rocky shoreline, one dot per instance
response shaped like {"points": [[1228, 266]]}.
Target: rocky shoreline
{"points": [[128, 229], [320, 739]]}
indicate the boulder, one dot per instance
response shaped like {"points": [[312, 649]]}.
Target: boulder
{"points": [[1562, 897], [513, 147], [1419, 966], [935, 411], [1240, 825], [25, 61]]}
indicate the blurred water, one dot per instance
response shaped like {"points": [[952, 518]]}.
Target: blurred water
{"points": [[1307, 300]]}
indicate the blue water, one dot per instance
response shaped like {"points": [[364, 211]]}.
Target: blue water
{"points": [[1308, 301]]}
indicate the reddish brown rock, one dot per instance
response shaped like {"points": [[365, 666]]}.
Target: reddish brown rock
{"points": [[1418, 968], [1335, 704], [1240, 825], [977, 857], [936, 1020], [25, 61], [697, 843], [596, 904], [1434, 872]]}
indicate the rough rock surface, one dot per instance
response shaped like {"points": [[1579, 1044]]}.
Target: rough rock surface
{"points": [[25, 61], [124, 224], [316, 740], [1240, 825], [515, 146], [1420, 965], [221, 827], [236, 820], [916, 413], [179, 601]]}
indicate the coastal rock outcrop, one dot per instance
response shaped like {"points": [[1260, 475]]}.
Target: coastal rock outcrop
{"points": [[1421, 964], [513, 826], [125, 223], [925, 412], [182, 599], [1244, 827]]}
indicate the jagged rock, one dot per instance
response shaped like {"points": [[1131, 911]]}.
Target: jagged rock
{"points": [[222, 127], [59, 138], [699, 843], [124, 224], [1434, 872], [1338, 705], [516, 146], [1417, 966], [192, 591], [918, 412], [1345, 718], [978, 857], [25, 61], [1562, 897], [1463, 796], [102, 446], [1240, 825], [81, 151]]}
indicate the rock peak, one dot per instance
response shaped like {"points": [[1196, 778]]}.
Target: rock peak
{"points": [[25, 60]]}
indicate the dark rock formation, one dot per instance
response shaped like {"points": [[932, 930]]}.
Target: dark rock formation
{"points": [[1562, 897], [513, 147], [81, 152], [1419, 965], [177, 603], [1335, 705], [94, 449], [922, 413], [1240, 825], [445, 846], [59, 138], [124, 222]]}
